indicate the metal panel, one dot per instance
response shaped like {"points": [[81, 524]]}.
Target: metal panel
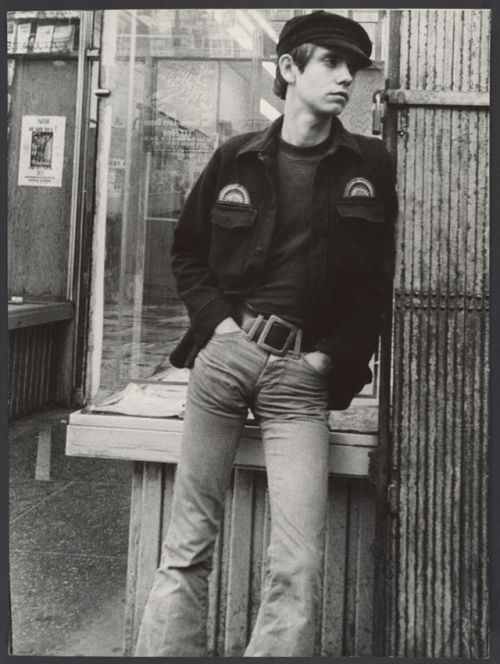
{"points": [[445, 49], [438, 547], [239, 565]]}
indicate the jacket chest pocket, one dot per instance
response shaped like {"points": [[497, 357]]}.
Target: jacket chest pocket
{"points": [[232, 232], [360, 233]]}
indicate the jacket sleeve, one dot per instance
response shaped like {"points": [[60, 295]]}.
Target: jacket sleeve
{"points": [[196, 284], [365, 305]]}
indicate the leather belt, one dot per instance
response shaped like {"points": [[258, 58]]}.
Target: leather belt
{"points": [[271, 332]]}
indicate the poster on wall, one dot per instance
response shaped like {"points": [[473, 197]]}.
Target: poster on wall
{"points": [[42, 151]]}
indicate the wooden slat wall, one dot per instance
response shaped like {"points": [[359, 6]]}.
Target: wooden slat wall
{"points": [[438, 591], [240, 560]]}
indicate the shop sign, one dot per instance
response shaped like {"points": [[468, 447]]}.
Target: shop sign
{"points": [[42, 151]]}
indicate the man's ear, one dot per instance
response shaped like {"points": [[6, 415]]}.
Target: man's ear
{"points": [[287, 67]]}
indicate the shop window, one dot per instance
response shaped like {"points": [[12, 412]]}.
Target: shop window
{"points": [[183, 81]]}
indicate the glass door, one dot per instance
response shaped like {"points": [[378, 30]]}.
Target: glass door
{"points": [[181, 82]]}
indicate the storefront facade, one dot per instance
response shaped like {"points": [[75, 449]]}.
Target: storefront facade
{"points": [[156, 92]]}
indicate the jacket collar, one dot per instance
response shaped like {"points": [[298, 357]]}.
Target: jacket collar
{"points": [[266, 141]]}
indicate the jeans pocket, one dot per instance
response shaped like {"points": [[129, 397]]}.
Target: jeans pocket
{"points": [[220, 343], [226, 335], [321, 373]]}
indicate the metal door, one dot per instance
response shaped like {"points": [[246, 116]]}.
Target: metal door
{"points": [[434, 587]]}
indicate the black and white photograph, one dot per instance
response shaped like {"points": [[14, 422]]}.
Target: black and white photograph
{"points": [[248, 332]]}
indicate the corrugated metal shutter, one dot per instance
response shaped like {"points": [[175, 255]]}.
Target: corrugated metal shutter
{"points": [[437, 594], [31, 357]]}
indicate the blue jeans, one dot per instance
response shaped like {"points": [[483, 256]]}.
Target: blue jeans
{"points": [[289, 400]]}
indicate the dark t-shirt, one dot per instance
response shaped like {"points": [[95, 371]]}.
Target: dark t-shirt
{"points": [[284, 293]]}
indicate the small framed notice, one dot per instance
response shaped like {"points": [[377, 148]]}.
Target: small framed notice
{"points": [[42, 151], [43, 38]]}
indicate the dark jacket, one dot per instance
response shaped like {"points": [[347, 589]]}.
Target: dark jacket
{"points": [[220, 248]]}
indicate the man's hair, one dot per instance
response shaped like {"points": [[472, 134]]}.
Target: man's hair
{"points": [[300, 55]]}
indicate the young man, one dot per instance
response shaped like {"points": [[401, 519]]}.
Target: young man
{"points": [[283, 257]]}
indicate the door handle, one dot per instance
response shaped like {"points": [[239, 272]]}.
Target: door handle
{"points": [[102, 92], [378, 112]]}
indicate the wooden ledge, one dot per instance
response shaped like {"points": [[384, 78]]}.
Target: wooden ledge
{"points": [[158, 440], [38, 313]]}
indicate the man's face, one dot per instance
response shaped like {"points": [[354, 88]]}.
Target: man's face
{"points": [[324, 84]]}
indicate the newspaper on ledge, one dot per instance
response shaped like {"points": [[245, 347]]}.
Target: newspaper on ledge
{"points": [[164, 395]]}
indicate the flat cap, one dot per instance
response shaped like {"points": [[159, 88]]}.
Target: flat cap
{"points": [[328, 30]]}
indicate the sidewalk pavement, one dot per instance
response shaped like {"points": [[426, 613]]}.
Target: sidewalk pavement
{"points": [[68, 543]]}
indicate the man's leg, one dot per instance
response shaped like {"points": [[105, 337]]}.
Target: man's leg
{"points": [[294, 416], [174, 622]]}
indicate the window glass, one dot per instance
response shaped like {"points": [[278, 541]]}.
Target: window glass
{"points": [[42, 32], [183, 81]]}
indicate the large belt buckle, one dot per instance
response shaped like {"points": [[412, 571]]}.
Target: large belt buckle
{"points": [[267, 328]]}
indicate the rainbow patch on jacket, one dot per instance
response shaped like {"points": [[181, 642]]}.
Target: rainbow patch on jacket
{"points": [[359, 187], [234, 193]]}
